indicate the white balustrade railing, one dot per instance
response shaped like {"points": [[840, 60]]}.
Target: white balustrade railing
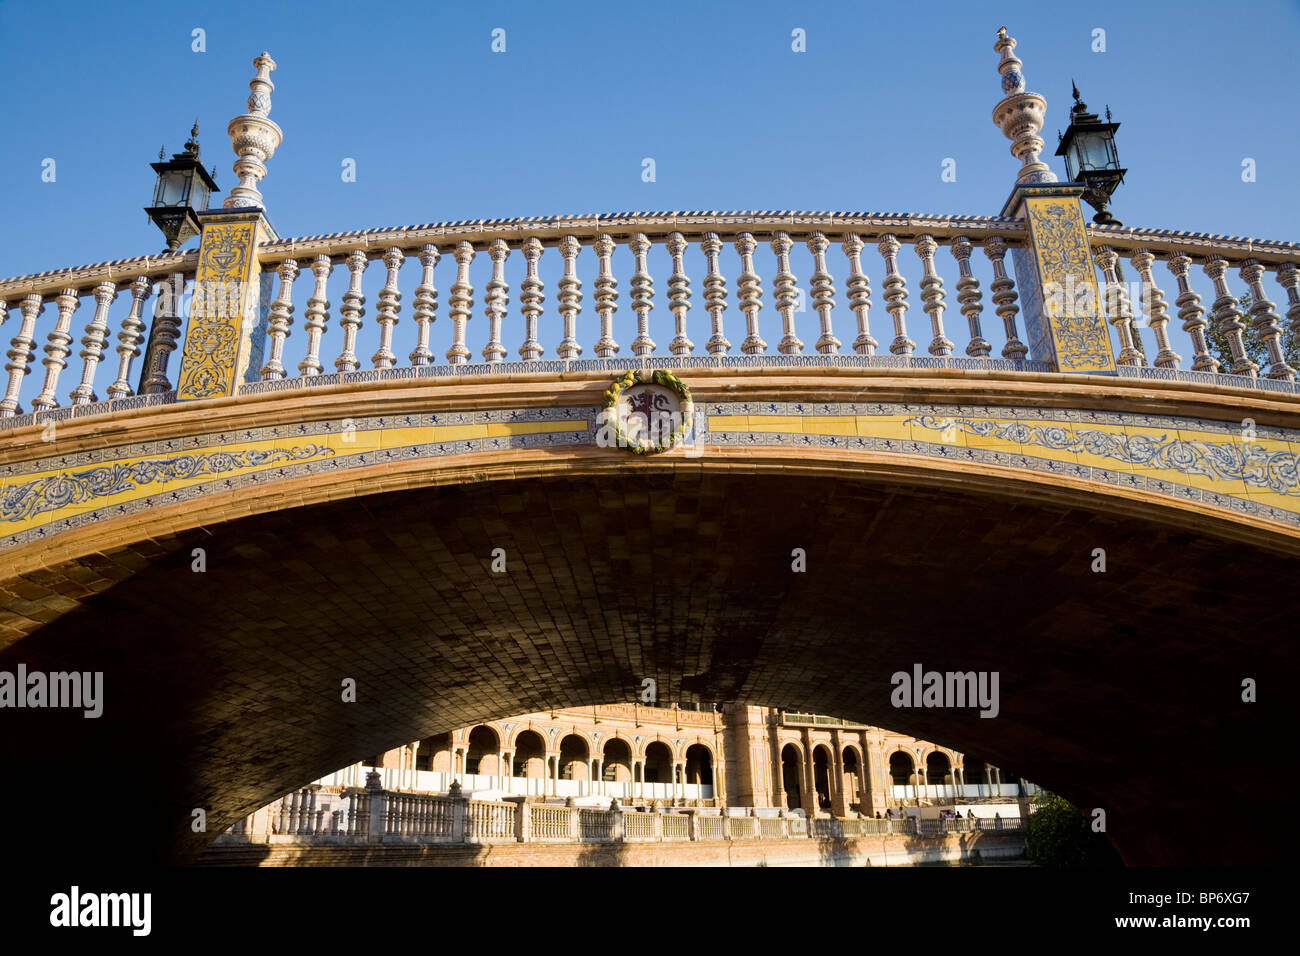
{"points": [[116, 312], [156, 295], [347, 815]]}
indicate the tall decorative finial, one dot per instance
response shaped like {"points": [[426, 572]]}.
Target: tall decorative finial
{"points": [[1020, 114], [254, 138], [192, 144]]}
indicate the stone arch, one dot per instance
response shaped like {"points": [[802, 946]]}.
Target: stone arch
{"points": [[482, 747], [701, 766], [792, 774], [659, 761], [938, 768], [456, 689], [902, 768], [852, 776], [528, 754], [434, 754], [616, 755], [823, 773], [574, 755]]}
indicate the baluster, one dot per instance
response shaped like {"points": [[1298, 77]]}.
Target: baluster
{"points": [[823, 293], [1267, 322], [20, 354], [1118, 308], [350, 313], [933, 296], [643, 291], [316, 316], [606, 298], [1153, 305], [859, 287], [93, 344], [679, 296], [750, 289], [280, 319], [531, 299], [282, 818], [570, 296], [461, 302], [1003, 292], [390, 303], [1228, 317], [426, 307], [129, 339], [495, 301], [167, 324], [1289, 278], [968, 296], [895, 296], [786, 294], [715, 294], [293, 812], [57, 349]]}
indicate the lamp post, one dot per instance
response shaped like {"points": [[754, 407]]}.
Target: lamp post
{"points": [[180, 193], [1091, 159]]}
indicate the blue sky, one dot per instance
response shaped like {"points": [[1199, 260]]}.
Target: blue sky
{"points": [[440, 127]]}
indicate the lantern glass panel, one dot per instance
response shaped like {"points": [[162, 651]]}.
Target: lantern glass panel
{"points": [[199, 194], [173, 188], [1092, 151]]}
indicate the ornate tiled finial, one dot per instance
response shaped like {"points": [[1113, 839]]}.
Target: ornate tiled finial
{"points": [[254, 138], [1020, 115]]}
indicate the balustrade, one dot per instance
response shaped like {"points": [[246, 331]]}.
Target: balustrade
{"points": [[312, 815], [744, 247]]}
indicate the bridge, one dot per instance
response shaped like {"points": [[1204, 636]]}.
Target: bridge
{"points": [[278, 567]]}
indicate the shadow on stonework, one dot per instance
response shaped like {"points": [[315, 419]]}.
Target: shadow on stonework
{"points": [[601, 854]]}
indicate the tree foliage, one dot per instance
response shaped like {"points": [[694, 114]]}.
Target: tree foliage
{"points": [[1217, 342], [1059, 834]]}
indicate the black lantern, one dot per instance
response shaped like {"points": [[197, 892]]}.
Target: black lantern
{"points": [[1090, 158], [181, 192]]}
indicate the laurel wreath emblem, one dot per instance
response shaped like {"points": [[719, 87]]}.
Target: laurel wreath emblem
{"points": [[665, 379]]}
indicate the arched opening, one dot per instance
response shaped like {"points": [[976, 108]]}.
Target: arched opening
{"points": [[901, 769], [699, 768], [481, 754], [529, 756], [434, 754], [937, 769], [573, 758], [659, 763], [973, 775], [852, 781], [790, 777], [822, 777], [617, 761], [278, 742]]}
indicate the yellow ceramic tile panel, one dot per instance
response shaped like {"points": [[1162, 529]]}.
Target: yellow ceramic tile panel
{"points": [[361, 441]]}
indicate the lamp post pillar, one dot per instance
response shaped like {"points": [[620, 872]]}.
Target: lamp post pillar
{"points": [[1054, 268], [225, 335]]}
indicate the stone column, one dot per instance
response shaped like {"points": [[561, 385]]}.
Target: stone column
{"points": [[809, 788], [523, 818], [839, 800], [376, 808], [459, 814]]}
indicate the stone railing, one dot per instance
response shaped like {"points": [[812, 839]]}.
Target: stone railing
{"points": [[374, 815], [577, 256], [157, 291]]}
